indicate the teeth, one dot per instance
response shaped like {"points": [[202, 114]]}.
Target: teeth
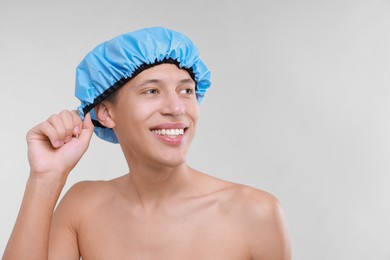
{"points": [[173, 133]]}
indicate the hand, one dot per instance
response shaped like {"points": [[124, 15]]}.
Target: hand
{"points": [[56, 145]]}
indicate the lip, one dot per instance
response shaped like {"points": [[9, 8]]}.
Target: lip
{"points": [[170, 126], [168, 140]]}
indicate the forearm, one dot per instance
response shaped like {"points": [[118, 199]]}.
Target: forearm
{"points": [[30, 236]]}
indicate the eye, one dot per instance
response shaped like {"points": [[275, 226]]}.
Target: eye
{"points": [[151, 91], [187, 91]]}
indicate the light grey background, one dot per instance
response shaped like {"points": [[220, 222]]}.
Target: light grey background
{"points": [[299, 106]]}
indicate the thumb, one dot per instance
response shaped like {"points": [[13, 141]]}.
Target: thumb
{"points": [[87, 123], [87, 129]]}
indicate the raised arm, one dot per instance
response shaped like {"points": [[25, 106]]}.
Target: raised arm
{"points": [[54, 148]]}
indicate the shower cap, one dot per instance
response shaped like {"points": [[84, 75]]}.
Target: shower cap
{"points": [[114, 62]]}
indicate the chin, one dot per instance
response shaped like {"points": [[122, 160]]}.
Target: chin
{"points": [[171, 161]]}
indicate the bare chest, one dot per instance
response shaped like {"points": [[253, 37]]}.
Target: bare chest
{"points": [[197, 235]]}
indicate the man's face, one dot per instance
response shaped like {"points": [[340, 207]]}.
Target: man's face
{"points": [[155, 115]]}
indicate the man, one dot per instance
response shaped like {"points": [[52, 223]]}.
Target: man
{"points": [[142, 90]]}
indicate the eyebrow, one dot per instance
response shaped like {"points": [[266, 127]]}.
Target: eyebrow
{"points": [[187, 80], [153, 81]]}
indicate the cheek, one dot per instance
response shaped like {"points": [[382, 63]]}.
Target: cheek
{"points": [[143, 111], [193, 106], [192, 110], [126, 117]]}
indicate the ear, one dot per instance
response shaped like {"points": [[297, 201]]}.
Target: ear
{"points": [[103, 114]]}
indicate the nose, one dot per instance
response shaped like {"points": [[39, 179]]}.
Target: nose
{"points": [[173, 105]]}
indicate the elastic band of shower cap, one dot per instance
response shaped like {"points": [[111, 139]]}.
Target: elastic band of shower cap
{"points": [[113, 63]]}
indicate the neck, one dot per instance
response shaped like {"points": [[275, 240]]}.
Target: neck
{"points": [[151, 186]]}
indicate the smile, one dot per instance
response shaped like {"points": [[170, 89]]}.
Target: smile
{"points": [[171, 133]]}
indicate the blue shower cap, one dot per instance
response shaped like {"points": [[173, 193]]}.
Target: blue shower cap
{"points": [[113, 63]]}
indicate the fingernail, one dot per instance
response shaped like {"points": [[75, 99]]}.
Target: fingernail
{"points": [[76, 130], [57, 143]]}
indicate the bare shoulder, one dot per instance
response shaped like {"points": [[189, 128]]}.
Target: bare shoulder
{"points": [[250, 203], [259, 217], [87, 191], [255, 202], [85, 197], [242, 198], [262, 221], [81, 202]]}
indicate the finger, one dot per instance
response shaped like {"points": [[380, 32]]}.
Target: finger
{"points": [[45, 131], [58, 125], [87, 129], [67, 120], [77, 123]]}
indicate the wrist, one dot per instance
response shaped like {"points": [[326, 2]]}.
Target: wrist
{"points": [[49, 181]]}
